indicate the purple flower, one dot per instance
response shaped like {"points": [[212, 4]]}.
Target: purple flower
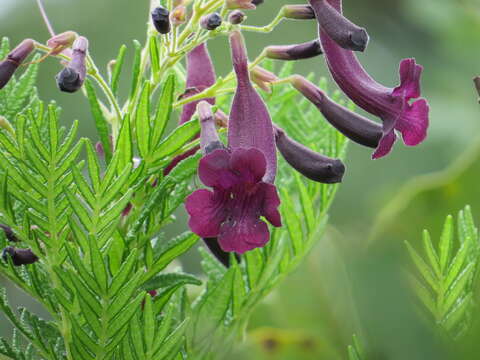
{"points": [[211, 21], [14, 60], [9, 234], [200, 75], [71, 78], [241, 176], [309, 163], [341, 30], [294, 52], [354, 126], [392, 105], [19, 256], [231, 212]]}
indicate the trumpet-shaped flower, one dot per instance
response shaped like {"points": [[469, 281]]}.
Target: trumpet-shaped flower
{"points": [[392, 105]]}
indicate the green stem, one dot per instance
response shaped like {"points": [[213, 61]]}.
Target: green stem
{"points": [[267, 28]]}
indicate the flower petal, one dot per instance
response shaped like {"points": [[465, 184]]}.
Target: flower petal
{"points": [[214, 170], [413, 123], [385, 145], [207, 211], [271, 201], [243, 235], [410, 73], [249, 164]]}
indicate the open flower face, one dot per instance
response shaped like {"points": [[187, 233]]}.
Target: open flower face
{"points": [[392, 105], [231, 212]]}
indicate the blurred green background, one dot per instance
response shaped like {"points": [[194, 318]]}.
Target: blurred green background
{"points": [[352, 282]]}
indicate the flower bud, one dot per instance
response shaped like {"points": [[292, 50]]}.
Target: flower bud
{"points": [[354, 126], [19, 256], [257, 2], [60, 42], [236, 17], [240, 4], [294, 52], [178, 15], [14, 60], [211, 21], [298, 12], [160, 19], [71, 78], [209, 139], [263, 78], [476, 81], [8, 233], [309, 163]]}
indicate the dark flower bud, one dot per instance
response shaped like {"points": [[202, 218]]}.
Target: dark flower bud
{"points": [[257, 2], [8, 233], [71, 78], [236, 17], [309, 163], [161, 19], [294, 52], [216, 250], [211, 21], [209, 139], [14, 60], [338, 27], [19, 256], [476, 81], [298, 12], [354, 126]]}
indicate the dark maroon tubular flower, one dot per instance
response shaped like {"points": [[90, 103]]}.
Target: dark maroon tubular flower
{"points": [[161, 19], [242, 175], [19, 256], [200, 75], [14, 59], [71, 78], [294, 52], [354, 126], [9, 234], [211, 21], [250, 124], [392, 105], [341, 30], [309, 163], [298, 12]]}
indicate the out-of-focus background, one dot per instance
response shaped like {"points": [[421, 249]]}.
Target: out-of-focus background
{"points": [[351, 282]]}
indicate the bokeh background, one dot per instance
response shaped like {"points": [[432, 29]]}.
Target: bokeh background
{"points": [[351, 283]]}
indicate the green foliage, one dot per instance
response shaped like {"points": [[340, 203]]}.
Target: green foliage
{"points": [[96, 220], [447, 274]]}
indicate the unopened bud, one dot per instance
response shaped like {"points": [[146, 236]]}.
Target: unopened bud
{"points": [[211, 21], [209, 139], [60, 42], [476, 81], [240, 4], [309, 163], [178, 15], [354, 126], [263, 78], [257, 2], [71, 78], [298, 12], [161, 20], [14, 59], [19, 256], [294, 52], [236, 17], [8, 233]]}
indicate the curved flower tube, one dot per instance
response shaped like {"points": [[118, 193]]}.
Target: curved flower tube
{"points": [[302, 51], [71, 78], [392, 105], [14, 59]]}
